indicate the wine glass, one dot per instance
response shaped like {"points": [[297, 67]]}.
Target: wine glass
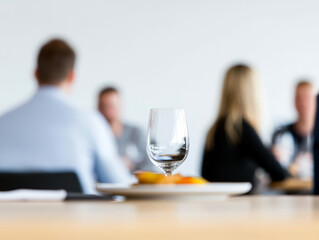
{"points": [[167, 139]]}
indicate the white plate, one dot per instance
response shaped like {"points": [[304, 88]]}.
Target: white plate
{"points": [[180, 190]]}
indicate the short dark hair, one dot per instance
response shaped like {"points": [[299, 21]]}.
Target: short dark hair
{"points": [[55, 61], [304, 83], [107, 90]]}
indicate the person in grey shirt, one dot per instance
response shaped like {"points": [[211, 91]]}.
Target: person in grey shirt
{"points": [[49, 134], [130, 139]]}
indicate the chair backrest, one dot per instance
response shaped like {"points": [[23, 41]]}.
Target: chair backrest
{"points": [[68, 181]]}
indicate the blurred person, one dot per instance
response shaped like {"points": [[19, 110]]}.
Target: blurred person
{"points": [[233, 148], [48, 133], [130, 139], [292, 143], [316, 149]]}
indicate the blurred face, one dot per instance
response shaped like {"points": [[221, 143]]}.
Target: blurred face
{"points": [[305, 102], [110, 106]]}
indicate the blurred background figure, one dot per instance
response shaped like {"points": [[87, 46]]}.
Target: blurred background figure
{"points": [[316, 149], [49, 134], [292, 143], [233, 148], [165, 73], [130, 139]]}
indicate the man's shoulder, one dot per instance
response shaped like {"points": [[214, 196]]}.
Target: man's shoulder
{"points": [[134, 132], [64, 111], [132, 128], [89, 117], [14, 112]]}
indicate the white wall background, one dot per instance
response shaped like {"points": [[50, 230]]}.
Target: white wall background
{"points": [[164, 53]]}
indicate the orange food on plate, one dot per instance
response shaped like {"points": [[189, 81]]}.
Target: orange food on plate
{"points": [[145, 177], [148, 177], [192, 180]]}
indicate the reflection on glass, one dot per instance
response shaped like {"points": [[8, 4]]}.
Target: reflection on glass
{"points": [[167, 141]]}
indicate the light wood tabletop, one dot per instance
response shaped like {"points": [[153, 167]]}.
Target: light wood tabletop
{"points": [[256, 217]]}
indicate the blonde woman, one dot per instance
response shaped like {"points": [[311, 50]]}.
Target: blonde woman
{"points": [[233, 149]]}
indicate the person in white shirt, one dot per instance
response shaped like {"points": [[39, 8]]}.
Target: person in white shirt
{"points": [[49, 134], [292, 143]]}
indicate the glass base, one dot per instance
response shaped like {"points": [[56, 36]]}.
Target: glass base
{"points": [[168, 167]]}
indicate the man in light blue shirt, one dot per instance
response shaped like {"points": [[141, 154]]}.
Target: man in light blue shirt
{"points": [[49, 134]]}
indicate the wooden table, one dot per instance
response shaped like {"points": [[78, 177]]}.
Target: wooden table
{"points": [[260, 217], [293, 184]]}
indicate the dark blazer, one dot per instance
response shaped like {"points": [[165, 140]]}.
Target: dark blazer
{"points": [[316, 151], [227, 162]]}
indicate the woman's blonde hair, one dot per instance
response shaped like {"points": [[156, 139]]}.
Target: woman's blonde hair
{"points": [[239, 100]]}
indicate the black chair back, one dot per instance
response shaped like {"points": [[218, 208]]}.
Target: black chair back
{"points": [[68, 181]]}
